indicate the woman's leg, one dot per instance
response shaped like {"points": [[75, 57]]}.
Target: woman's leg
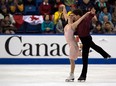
{"points": [[72, 68], [73, 52], [72, 64]]}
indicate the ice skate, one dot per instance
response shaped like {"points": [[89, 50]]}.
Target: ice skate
{"points": [[108, 57], [82, 79], [70, 78]]}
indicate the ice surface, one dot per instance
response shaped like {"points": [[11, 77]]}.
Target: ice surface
{"points": [[55, 75]]}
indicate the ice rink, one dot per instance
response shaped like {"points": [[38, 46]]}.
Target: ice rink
{"points": [[55, 75]]}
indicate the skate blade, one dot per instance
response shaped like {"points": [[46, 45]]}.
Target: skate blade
{"points": [[108, 58], [81, 80], [72, 80]]}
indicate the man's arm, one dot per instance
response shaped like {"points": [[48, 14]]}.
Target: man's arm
{"points": [[91, 15], [87, 20]]}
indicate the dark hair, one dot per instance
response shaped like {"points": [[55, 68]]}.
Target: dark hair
{"points": [[78, 12], [107, 23], [102, 8], [46, 15], [98, 23], [6, 16]]}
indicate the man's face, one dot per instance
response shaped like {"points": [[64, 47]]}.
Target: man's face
{"points": [[86, 1], [102, 1], [108, 26]]}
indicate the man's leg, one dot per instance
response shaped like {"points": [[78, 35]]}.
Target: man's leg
{"points": [[99, 50], [85, 52]]}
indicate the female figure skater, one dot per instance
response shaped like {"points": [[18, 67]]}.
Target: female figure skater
{"points": [[69, 36]]}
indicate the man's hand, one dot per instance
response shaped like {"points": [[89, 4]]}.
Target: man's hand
{"points": [[93, 10], [88, 12]]}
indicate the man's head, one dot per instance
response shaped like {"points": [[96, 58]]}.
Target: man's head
{"points": [[108, 26], [77, 14], [105, 18], [102, 1], [86, 1], [92, 10]]}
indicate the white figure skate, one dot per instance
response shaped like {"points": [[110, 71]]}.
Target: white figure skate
{"points": [[70, 78]]}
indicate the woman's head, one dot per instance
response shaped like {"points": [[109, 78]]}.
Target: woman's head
{"points": [[105, 18], [104, 9], [98, 26], [72, 17], [46, 17], [60, 8], [4, 9], [7, 18]]}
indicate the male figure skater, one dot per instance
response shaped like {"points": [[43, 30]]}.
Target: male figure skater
{"points": [[83, 31]]}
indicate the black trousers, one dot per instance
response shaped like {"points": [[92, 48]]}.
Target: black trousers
{"points": [[87, 43]]}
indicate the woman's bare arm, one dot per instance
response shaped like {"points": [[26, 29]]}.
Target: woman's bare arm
{"points": [[76, 23], [65, 13]]}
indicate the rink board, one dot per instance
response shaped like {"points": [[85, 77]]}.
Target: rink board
{"points": [[49, 49], [53, 61]]}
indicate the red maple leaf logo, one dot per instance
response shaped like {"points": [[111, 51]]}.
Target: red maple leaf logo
{"points": [[33, 18]]}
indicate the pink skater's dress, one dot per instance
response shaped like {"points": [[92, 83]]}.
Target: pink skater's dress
{"points": [[73, 46]]}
